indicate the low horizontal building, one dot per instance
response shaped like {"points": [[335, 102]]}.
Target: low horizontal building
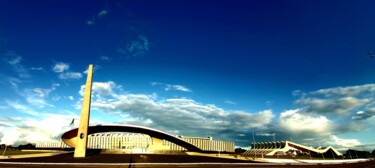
{"points": [[120, 140], [285, 147]]}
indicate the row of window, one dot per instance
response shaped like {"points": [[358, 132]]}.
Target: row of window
{"points": [[142, 141]]}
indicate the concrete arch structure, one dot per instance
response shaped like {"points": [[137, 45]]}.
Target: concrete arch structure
{"points": [[272, 148], [70, 137]]}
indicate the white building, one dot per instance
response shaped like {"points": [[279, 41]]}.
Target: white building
{"points": [[115, 140]]}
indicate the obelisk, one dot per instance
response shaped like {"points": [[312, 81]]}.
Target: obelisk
{"points": [[81, 144]]}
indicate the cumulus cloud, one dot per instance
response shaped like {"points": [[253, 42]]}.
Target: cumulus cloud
{"points": [[295, 122], [341, 106], [60, 67], [340, 101], [346, 143], [178, 115], [305, 125], [30, 130], [63, 73], [102, 88], [345, 91], [326, 114], [362, 115], [315, 129]]}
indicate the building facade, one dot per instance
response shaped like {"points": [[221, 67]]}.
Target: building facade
{"points": [[285, 147], [114, 140]]}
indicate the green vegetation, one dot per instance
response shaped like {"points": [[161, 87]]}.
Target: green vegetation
{"points": [[19, 152]]}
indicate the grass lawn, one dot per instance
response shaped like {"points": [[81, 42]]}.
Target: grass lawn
{"points": [[18, 152]]}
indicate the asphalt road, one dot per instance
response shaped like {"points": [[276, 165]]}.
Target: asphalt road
{"points": [[209, 165], [155, 161]]}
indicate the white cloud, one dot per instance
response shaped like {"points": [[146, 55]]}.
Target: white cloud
{"points": [[36, 68], [95, 68], [296, 122], [194, 119], [34, 96], [71, 98], [156, 83], [96, 17], [22, 108], [341, 105], [346, 143], [37, 96], [314, 129], [136, 47], [333, 111], [29, 130], [101, 88], [230, 102], [63, 73], [345, 91], [60, 67], [37, 101], [14, 60], [105, 58], [70, 75], [178, 88], [265, 134], [90, 22], [102, 13], [168, 87], [342, 102], [326, 114]]}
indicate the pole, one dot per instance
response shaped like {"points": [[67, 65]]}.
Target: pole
{"points": [[254, 145], [333, 154], [4, 150]]}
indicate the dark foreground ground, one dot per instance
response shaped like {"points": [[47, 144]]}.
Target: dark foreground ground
{"points": [[149, 160]]}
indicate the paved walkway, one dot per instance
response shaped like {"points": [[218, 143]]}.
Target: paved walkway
{"points": [[272, 160], [30, 155]]}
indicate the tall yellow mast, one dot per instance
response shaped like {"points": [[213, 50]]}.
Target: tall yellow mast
{"points": [[80, 149]]}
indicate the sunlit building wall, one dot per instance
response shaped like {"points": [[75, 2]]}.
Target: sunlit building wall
{"points": [[142, 141]]}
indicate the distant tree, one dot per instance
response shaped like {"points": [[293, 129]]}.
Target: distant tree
{"points": [[373, 152], [27, 146], [357, 154], [239, 150]]}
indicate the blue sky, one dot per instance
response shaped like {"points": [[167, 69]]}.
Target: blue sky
{"points": [[297, 69]]}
